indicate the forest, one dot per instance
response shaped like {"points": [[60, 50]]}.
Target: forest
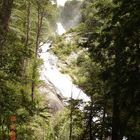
{"points": [[69, 69]]}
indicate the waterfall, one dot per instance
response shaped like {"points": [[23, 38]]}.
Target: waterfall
{"points": [[57, 83], [60, 28], [50, 73]]}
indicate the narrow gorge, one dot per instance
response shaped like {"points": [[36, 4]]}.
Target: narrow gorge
{"points": [[57, 86]]}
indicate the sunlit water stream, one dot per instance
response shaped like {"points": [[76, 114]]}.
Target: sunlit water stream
{"points": [[50, 72]]}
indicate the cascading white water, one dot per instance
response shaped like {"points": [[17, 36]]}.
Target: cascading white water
{"points": [[50, 72], [63, 82], [60, 28]]}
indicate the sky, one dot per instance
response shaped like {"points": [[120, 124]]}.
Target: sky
{"points": [[61, 2]]}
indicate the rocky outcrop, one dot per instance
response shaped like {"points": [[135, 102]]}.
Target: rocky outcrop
{"points": [[70, 14], [52, 97]]}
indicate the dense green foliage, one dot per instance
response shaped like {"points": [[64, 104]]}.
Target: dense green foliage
{"points": [[62, 46], [112, 46], [108, 68], [101, 54], [22, 25]]}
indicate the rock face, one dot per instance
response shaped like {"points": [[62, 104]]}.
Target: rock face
{"points": [[52, 97], [70, 13]]}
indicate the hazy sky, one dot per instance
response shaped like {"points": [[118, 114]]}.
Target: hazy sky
{"points": [[61, 2]]}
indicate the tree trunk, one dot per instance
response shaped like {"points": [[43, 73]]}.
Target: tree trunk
{"points": [[117, 92], [103, 122], [71, 117], [71, 111], [26, 40], [28, 23], [39, 27], [90, 121], [5, 13], [115, 121]]}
